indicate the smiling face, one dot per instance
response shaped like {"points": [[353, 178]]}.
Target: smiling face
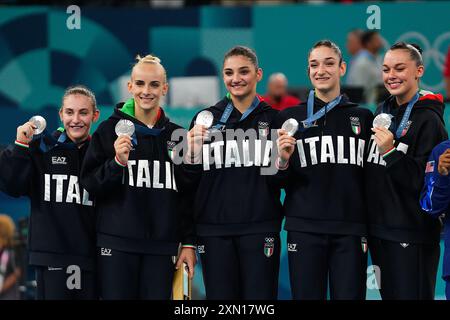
{"points": [[401, 73], [147, 85], [77, 115], [324, 69], [240, 76]]}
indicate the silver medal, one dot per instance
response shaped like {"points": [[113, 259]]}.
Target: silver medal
{"points": [[205, 118], [290, 126], [382, 120], [124, 128], [40, 124]]}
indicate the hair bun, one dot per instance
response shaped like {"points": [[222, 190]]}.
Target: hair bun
{"points": [[415, 45], [148, 58]]}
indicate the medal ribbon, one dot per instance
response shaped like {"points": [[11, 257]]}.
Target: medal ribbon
{"points": [[229, 108], [307, 123], [48, 141], [406, 115]]}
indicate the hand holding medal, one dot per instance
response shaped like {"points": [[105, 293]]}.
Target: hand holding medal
{"points": [[197, 135], [205, 118], [35, 126], [383, 120], [39, 124], [290, 126], [124, 130], [286, 142], [384, 139]]}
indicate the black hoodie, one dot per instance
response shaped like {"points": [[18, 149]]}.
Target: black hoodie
{"points": [[62, 221], [394, 184], [236, 199], [325, 177], [139, 206]]}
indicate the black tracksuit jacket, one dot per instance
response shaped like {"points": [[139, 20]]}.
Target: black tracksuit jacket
{"points": [[141, 207], [62, 221]]}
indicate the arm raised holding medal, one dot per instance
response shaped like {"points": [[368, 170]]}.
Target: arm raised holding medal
{"points": [[196, 137], [122, 146], [286, 146], [384, 139], [15, 162], [25, 132]]}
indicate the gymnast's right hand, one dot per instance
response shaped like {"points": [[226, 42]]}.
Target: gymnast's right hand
{"points": [[123, 146], [25, 132], [195, 139]]}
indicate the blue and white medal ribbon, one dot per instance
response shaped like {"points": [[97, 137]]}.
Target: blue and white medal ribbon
{"points": [[229, 108], [308, 122], [406, 115]]}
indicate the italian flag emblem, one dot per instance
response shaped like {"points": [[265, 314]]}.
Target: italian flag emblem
{"points": [[364, 244], [268, 249], [356, 126], [170, 149]]}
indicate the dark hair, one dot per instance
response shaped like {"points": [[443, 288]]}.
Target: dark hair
{"points": [[329, 44], [415, 52], [367, 36], [356, 32], [242, 51], [80, 89]]}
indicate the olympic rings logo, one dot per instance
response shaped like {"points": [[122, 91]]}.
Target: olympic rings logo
{"points": [[269, 240]]}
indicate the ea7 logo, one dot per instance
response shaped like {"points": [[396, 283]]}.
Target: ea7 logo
{"points": [[292, 247], [59, 160], [106, 252], [201, 248]]}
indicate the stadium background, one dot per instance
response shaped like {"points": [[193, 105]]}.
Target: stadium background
{"points": [[40, 56]]}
